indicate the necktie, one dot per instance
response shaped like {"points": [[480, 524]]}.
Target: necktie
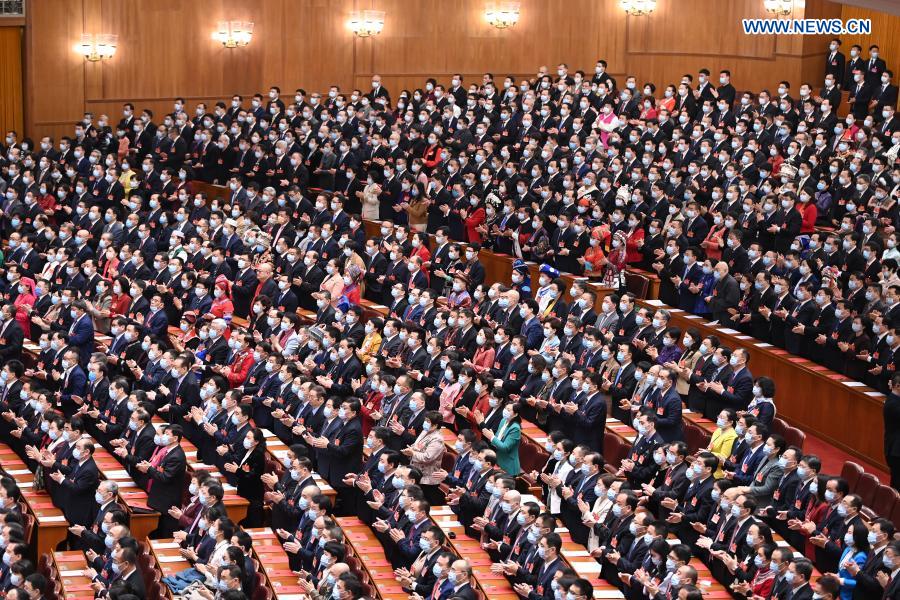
{"points": [[159, 453]]}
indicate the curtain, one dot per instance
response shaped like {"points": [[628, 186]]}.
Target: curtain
{"points": [[11, 85]]}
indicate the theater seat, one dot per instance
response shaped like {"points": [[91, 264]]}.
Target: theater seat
{"points": [[779, 426], [448, 460], [695, 437], [851, 472], [895, 514], [614, 451], [28, 523], [274, 466], [44, 564], [262, 593], [885, 500], [531, 456], [866, 488], [637, 284], [794, 437]]}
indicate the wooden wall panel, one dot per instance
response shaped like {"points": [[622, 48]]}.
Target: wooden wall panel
{"points": [[885, 33], [11, 82], [54, 74], [165, 48], [675, 29]]}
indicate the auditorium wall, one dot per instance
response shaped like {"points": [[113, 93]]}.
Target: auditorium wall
{"points": [[165, 49]]}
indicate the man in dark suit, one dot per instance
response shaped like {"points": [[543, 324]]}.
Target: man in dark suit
{"points": [[726, 293], [340, 449], [462, 581], [138, 444], [867, 585], [697, 502], [549, 547], [667, 408], [79, 485], [737, 391], [127, 574], [800, 571], [835, 62], [92, 537], [74, 381], [180, 393], [588, 420], [11, 335], [165, 470], [81, 332]]}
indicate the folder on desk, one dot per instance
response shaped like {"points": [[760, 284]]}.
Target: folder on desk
{"points": [[65, 558]]}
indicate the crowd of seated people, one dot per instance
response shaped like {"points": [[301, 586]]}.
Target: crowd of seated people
{"points": [[239, 312]]}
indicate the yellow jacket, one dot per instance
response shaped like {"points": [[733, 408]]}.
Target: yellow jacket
{"points": [[721, 445], [369, 346]]}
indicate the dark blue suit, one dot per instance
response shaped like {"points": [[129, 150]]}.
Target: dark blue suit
{"points": [[81, 335], [73, 384], [668, 416], [158, 324], [533, 332], [737, 393], [543, 588]]}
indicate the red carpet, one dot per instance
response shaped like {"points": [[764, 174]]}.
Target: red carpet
{"points": [[833, 459]]}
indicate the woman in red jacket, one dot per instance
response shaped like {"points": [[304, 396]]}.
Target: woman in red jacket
{"points": [[432, 156], [120, 298], [635, 240], [809, 211], [420, 247], [236, 372], [473, 217], [372, 403]]}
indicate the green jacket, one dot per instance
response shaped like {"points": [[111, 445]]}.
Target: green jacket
{"points": [[507, 447]]}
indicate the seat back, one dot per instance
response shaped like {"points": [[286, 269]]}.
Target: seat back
{"points": [[851, 472], [866, 488], [794, 437], [44, 564], [613, 449], [885, 500], [637, 284], [895, 515], [695, 437], [779, 426]]}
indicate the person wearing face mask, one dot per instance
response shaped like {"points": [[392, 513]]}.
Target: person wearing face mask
{"points": [[137, 445], [697, 504], [92, 537], [165, 470], [246, 472], [79, 485], [339, 446]]}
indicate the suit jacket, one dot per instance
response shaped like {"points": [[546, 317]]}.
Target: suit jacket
{"points": [[543, 589], [80, 485], [166, 481], [343, 454], [11, 342], [82, 337]]}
